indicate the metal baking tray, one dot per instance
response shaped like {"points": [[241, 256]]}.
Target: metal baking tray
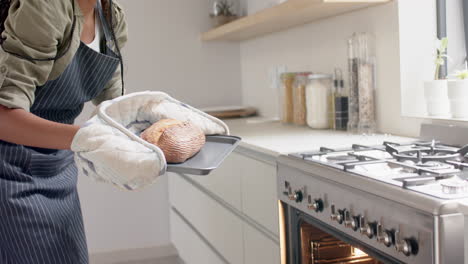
{"points": [[210, 157]]}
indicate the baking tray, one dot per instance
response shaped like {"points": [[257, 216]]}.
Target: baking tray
{"points": [[213, 153]]}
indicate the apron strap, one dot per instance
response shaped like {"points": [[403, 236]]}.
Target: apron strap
{"points": [[105, 25]]}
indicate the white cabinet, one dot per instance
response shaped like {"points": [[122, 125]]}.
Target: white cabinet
{"points": [[220, 227], [248, 185], [231, 215], [191, 247], [225, 181], [259, 197], [258, 249]]}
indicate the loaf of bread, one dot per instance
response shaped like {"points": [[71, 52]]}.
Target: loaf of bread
{"points": [[178, 140]]}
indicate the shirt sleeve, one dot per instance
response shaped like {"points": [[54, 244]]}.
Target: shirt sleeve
{"points": [[30, 30], [113, 88]]}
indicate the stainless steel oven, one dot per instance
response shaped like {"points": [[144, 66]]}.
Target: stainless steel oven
{"points": [[310, 241], [333, 216]]}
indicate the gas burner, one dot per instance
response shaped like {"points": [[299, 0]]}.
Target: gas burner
{"points": [[340, 158], [453, 186], [435, 165]]}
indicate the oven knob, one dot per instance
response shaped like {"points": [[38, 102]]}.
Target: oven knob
{"points": [[407, 246], [338, 217], [298, 196], [355, 223], [370, 230], [388, 238], [341, 216], [410, 247], [317, 205]]}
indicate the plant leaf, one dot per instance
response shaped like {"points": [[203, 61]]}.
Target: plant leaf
{"points": [[444, 43]]}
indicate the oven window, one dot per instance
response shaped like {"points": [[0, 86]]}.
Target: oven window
{"points": [[318, 247]]}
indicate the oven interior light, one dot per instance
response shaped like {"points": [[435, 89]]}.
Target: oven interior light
{"points": [[358, 252]]}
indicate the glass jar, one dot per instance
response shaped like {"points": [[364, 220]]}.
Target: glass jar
{"points": [[299, 98], [287, 104], [319, 101], [361, 49]]}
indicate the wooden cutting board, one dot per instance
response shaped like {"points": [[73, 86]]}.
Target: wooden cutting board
{"points": [[231, 112]]}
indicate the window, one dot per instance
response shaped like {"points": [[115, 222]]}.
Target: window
{"points": [[452, 17]]}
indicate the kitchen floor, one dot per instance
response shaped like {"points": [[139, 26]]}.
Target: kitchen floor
{"points": [[166, 260]]}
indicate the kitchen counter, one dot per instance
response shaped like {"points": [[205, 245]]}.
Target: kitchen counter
{"points": [[273, 138]]}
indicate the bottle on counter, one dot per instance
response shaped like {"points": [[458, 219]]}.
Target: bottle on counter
{"points": [[318, 100], [341, 102]]}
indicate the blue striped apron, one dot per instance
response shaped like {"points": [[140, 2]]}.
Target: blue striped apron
{"points": [[40, 214]]}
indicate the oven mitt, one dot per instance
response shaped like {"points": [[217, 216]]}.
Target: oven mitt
{"points": [[108, 147]]}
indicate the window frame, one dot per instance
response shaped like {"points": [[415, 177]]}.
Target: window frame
{"points": [[442, 27]]}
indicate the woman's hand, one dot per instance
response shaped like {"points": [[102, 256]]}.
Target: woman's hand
{"points": [[20, 127]]}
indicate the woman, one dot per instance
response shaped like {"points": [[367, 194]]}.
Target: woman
{"points": [[56, 55]]}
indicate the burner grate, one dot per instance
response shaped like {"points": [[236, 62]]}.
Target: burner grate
{"points": [[422, 152], [426, 167]]}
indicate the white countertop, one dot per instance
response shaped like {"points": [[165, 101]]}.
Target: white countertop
{"points": [[273, 138]]}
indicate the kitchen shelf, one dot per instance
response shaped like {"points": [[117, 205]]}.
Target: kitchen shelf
{"points": [[286, 15]]}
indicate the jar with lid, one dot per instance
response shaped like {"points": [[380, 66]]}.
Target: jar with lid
{"points": [[299, 98], [362, 76], [287, 111], [318, 100]]}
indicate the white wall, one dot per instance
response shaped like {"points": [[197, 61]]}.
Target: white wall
{"points": [[417, 46], [320, 47], [163, 53]]}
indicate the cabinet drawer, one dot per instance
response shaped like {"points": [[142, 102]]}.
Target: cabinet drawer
{"points": [[225, 181], [219, 226], [259, 197], [259, 249], [192, 249]]}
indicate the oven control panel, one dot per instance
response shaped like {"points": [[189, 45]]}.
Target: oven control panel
{"points": [[373, 229], [394, 229]]}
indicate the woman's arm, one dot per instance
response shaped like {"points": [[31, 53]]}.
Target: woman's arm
{"points": [[21, 127]]}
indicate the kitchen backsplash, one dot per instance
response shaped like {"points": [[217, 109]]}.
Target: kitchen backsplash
{"points": [[320, 47]]}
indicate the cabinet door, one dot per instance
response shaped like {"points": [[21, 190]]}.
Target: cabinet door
{"points": [[192, 249], [258, 248], [219, 226], [259, 197], [225, 181]]}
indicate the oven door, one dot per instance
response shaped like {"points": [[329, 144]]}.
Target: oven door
{"points": [[307, 240]]}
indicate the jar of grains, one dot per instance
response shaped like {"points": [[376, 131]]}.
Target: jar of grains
{"points": [[361, 49], [287, 81], [299, 98], [318, 94]]}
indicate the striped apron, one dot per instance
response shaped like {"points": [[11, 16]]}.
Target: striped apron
{"points": [[40, 214]]}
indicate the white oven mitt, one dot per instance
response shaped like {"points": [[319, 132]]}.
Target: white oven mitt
{"points": [[108, 147]]}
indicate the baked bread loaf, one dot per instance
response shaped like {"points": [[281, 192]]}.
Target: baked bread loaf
{"points": [[178, 140]]}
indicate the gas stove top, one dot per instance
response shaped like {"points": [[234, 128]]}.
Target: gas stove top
{"points": [[428, 167]]}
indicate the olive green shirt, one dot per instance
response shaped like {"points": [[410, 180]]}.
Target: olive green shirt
{"points": [[42, 29]]}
